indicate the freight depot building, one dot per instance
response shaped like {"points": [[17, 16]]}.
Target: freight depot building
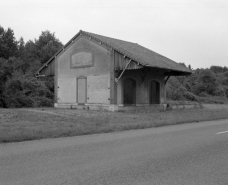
{"points": [[97, 72]]}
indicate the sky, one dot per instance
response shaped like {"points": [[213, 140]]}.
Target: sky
{"points": [[193, 32]]}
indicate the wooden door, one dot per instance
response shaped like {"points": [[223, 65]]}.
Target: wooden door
{"points": [[81, 91], [154, 92], [129, 91]]}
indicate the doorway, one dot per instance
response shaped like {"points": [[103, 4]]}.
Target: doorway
{"points": [[129, 95], [81, 91], [154, 92]]}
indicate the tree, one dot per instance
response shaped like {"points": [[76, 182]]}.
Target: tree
{"points": [[46, 46], [18, 63], [43, 48], [218, 69], [21, 49], [175, 90], [8, 43], [207, 82]]}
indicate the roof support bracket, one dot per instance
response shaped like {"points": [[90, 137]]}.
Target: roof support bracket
{"points": [[167, 79], [117, 79]]}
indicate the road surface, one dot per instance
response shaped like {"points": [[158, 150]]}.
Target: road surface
{"points": [[195, 153]]}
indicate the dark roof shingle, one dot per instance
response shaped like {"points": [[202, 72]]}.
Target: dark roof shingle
{"points": [[136, 52], [141, 54]]}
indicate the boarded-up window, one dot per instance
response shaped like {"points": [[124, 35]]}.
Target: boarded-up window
{"points": [[81, 58], [129, 91], [98, 89]]}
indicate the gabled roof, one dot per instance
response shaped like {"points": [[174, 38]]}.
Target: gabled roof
{"points": [[134, 51]]}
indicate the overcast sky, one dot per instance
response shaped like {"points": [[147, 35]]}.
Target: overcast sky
{"points": [[193, 32]]}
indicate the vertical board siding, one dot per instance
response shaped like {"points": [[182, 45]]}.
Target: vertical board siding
{"points": [[113, 85], [121, 62], [49, 70]]}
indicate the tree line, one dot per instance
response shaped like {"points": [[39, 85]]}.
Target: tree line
{"points": [[208, 85], [18, 63], [20, 88]]}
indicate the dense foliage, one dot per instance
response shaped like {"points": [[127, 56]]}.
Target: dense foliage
{"points": [[20, 88], [18, 63], [204, 85]]}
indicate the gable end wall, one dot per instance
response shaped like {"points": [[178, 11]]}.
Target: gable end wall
{"points": [[97, 75]]}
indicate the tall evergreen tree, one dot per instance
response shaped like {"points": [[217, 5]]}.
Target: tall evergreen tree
{"points": [[8, 43]]}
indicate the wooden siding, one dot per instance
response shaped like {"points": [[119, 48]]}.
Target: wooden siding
{"points": [[121, 62], [49, 69]]}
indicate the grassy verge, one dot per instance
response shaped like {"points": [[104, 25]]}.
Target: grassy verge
{"points": [[30, 124]]}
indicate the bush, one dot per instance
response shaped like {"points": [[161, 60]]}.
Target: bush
{"points": [[204, 94], [1, 101], [176, 93], [190, 96], [210, 100], [25, 101], [226, 91], [26, 91], [43, 102], [219, 91], [12, 102]]}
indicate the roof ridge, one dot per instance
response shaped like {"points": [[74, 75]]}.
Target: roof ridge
{"points": [[96, 36], [108, 37], [135, 51], [143, 61]]}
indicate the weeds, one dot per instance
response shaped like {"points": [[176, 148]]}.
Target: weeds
{"points": [[31, 124]]}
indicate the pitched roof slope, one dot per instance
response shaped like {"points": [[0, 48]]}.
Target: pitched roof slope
{"points": [[136, 52], [141, 54]]}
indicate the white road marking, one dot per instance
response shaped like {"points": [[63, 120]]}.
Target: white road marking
{"points": [[222, 132]]}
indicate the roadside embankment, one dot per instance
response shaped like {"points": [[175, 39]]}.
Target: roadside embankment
{"points": [[30, 124]]}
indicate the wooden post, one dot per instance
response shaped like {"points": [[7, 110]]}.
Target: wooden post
{"points": [[56, 81], [117, 79], [113, 84]]}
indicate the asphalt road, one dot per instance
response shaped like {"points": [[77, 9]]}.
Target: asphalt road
{"points": [[195, 153]]}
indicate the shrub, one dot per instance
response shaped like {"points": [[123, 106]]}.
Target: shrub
{"points": [[12, 102], [26, 91], [25, 101], [190, 96], [43, 102], [204, 94]]}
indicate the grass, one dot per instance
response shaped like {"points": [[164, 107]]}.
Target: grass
{"points": [[31, 124]]}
